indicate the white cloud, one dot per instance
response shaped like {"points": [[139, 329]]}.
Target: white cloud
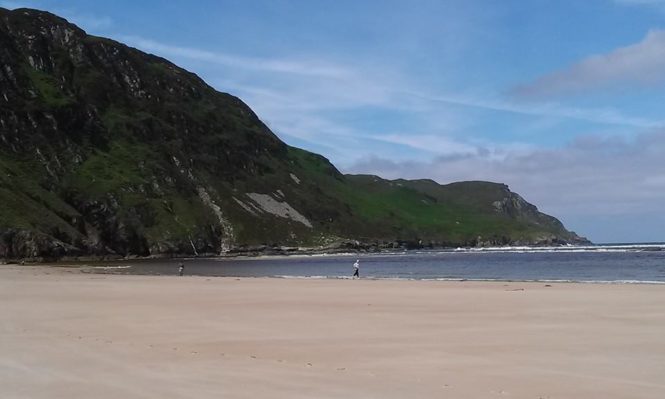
{"points": [[641, 64], [431, 143]]}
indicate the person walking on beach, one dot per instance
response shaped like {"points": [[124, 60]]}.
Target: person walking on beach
{"points": [[356, 265], [181, 268]]}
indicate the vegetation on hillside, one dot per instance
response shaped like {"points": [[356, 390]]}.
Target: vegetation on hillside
{"points": [[107, 150]]}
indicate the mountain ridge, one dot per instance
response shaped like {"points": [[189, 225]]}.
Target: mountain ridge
{"points": [[106, 150]]}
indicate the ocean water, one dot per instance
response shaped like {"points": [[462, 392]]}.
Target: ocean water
{"points": [[625, 263]]}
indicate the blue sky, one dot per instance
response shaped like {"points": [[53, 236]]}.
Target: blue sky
{"points": [[561, 100]]}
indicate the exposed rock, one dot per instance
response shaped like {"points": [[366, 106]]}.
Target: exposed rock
{"points": [[226, 242], [278, 208]]}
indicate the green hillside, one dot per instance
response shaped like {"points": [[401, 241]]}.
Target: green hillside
{"points": [[106, 150]]}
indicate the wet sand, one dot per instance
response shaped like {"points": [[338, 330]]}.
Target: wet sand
{"points": [[65, 334]]}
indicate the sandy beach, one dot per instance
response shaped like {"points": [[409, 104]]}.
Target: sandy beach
{"points": [[65, 334]]}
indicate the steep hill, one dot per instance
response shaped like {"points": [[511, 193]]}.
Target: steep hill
{"points": [[105, 149]]}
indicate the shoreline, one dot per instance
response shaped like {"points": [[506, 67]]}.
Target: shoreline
{"points": [[116, 270]]}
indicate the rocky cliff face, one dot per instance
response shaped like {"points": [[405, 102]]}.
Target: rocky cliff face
{"points": [[107, 150]]}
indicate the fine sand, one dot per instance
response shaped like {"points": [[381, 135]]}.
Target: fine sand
{"points": [[65, 334]]}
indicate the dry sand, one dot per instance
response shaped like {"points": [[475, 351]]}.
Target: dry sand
{"points": [[64, 334]]}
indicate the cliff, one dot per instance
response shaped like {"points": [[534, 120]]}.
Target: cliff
{"points": [[106, 150]]}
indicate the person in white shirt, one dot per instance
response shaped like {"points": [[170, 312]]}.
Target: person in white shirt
{"points": [[357, 267]]}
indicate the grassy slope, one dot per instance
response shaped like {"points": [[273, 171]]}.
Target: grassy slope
{"points": [[411, 210]]}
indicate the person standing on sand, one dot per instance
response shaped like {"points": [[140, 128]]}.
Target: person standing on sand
{"points": [[181, 268], [357, 267]]}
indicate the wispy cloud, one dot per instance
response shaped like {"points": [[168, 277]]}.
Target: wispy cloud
{"points": [[299, 67], [641, 64], [597, 115]]}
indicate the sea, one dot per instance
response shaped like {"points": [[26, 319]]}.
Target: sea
{"points": [[611, 264]]}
